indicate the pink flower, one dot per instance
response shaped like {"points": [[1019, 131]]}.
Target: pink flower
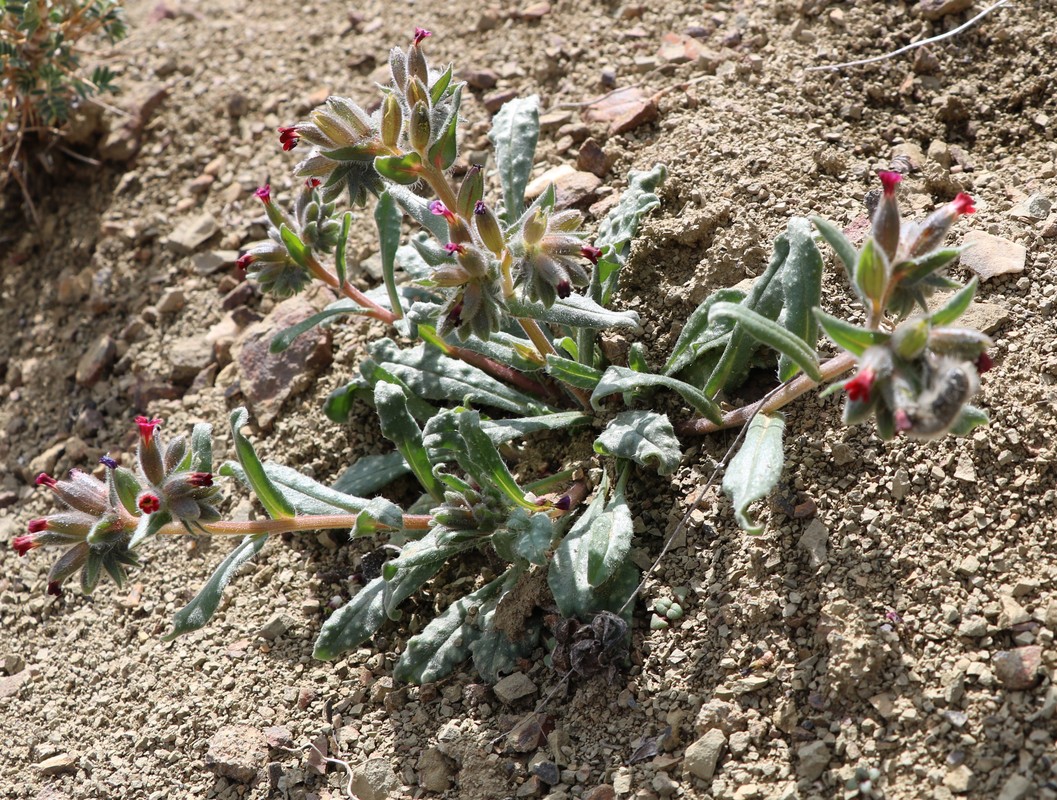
{"points": [[23, 544], [288, 137], [889, 180], [44, 479], [37, 525], [964, 204], [200, 479], [439, 209], [264, 194], [454, 247], [592, 254], [149, 503], [146, 427], [420, 34], [245, 260], [858, 388], [313, 183]]}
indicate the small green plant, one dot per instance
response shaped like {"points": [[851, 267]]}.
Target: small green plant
{"points": [[505, 349], [41, 78]]}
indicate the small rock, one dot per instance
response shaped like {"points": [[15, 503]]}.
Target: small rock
{"points": [[1032, 209], [937, 9], [489, 19], [434, 771], [237, 752], [514, 687], [496, 100], [1010, 612], [46, 461], [374, 779], [239, 296], [703, 755], [554, 120], [278, 737], [172, 301], [548, 772], [592, 158], [57, 765], [1018, 669], [814, 541], [676, 49], [536, 11], [572, 187], [96, 360], [964, 470], [191, 233], [275, 627], [480, 78], [968, 566], [973, 628], [1016, 787], [10, 685], [201, 184], [267, 378], [991, 255], [812, 760], [601, 792], [615, 106], [960, 780], [8, 498], [213, 261], [125, 136], [187, 357]]}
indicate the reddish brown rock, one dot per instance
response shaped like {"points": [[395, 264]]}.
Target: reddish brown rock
{"points": [[937, 9], [623, 111], [571, 186], [1018, 669], [268, 379], [496, 100], [125, 136], [96, 360], [592, 158]]}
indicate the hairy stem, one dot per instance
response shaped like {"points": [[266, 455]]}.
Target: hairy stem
{"points": [[311, 522], [786, 394], [319, 272]]}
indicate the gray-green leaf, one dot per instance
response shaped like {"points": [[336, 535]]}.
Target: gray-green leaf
{"points": [[755, 470], [645, 437], [353, 623], [515, 131], [622, 379]]}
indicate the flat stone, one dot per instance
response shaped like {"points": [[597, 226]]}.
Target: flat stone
{"points": [[703, 755], [535, 11], [191, 233], [814, 541], [991, 255], [1018, 669], [1010, 612], [268, 379], [960, 780], [937, 9], [237, 752], [614, 106], [434, 771], [171, 301], [188, 356], [374, 779], [592, 158], [95, 361], [1032, 209], [514, 687], [1016, 787], [964, 470], [572, 187], [275, 627], [480, 78], [496, 100], [278, 737], [57, 765], [213, 261], [10, 685], [677, 49], [812, 760]]}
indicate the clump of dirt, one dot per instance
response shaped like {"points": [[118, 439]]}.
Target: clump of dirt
{"points": [[907, 627]]}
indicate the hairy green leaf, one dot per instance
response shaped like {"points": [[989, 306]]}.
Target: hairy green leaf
{"points": [[956, 305], [609, 540], [388, 219], [339, 308], [353, 623], [199, 611], [847, 336], [271, 498], [844, 249], [622, 380], [399, 427], [755, 469], [482, 461], [371, 473], [576, 311], [699, 334], [771, 334], [340, 265], [294, 246], [572, 372], [802, 289], [515, 131], [304, 495], [645, 437], [405, 169]]}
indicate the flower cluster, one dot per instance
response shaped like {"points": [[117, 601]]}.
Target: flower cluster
{"points": [[105, 520], [545, 250]]}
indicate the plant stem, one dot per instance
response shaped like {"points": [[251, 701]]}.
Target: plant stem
{"points": [[319, 272], [503, 372], [311, 522], [833, 368]]}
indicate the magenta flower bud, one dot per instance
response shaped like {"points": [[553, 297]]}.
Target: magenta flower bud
{"points": [[200, 479], [245, 260], [563, 503], [930, 233], [108, 462], [858, 388], [37, 525], [420, 34], [439, 209], [886, 224], [313, 183], [964, 204], [264, 194], [564, 289], [23, 544], [288, 137], [592, 254], [984, 363], [149, 503], [455, 247], [146, 427], [44, 479]]}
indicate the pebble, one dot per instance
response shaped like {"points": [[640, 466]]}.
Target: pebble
{"points": [[1018, 669], [435, 772], [814, 542], [960, 780], [278, 737], [535, 11], [964, 470], [275, 627], [601, 792], [201, 184], [937, 9], [1017, 787], [677, 49], [480, 78], [172, 301], [496, 100], [191, 233], [239, 296], [592, 158], [1032, 209], [213, 261], [124, 138], [267, 378], [46, 461], [571, 186], [514, 687], [188, 356], [812, 760], [237, 752], [990, 255], [1010, 612], [10, 685], [622, 110], [95, 361], [374, 779], [57, 765], [703, 755]]}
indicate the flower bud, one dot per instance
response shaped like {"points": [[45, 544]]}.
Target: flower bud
{"points": [[592, 254], [535, 227], [416, 64], [487, 225], [23, 544], [352, 115], [288, 137], [962, 343], [392, 120], [398, 68], [67, 564], [150, 458], [334, 128], [419, 128], [449, 276], [886, 224], [471, 260], [471, 191], [931, 232], [910, 338]]}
